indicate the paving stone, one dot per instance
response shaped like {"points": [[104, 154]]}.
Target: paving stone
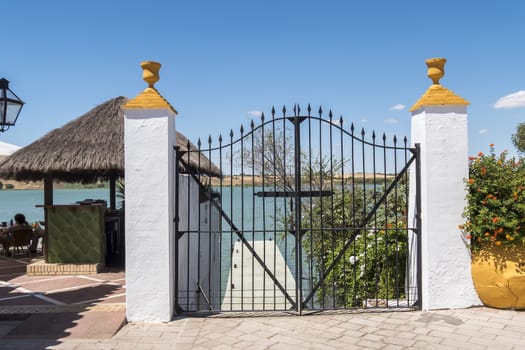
{"points": [[449, 335], [474, 333], [463, 345], [392, 347], [370, 344], [399, 341], [349, 340], [286, 340], [475, 328]]}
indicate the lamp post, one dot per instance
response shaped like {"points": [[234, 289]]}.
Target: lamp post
{"points": [[10, 106]]}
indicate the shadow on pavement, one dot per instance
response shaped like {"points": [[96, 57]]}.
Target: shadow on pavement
{"points": [[37, 312]]}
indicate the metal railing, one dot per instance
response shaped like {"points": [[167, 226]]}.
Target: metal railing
{"points": [[306, 215]]}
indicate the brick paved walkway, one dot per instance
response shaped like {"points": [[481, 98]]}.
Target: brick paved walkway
{"points": [[38, 311], [84, 312], [476, 328]]}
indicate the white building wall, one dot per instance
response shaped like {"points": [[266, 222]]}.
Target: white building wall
{"points": [[199, 250], [149, 139], [442, 133]]}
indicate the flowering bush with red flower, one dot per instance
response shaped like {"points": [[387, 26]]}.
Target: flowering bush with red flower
{"points": [[496, 200]]}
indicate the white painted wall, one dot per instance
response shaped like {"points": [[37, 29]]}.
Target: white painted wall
{"points": [[149, 139], [442, 133], [199, 250]]}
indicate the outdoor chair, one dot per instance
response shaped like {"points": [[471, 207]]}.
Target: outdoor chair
{"points": [[22, 240]]}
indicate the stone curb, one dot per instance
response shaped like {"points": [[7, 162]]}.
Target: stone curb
{"points": [[52, 309]]}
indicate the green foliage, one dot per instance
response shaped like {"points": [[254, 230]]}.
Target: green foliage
{"points": [[121, 193], [374, 264], [496, 199], [373, 254], [519, 138]]}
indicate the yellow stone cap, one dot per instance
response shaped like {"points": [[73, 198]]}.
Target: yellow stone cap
{"points": [[436, 94], [150, 98]]}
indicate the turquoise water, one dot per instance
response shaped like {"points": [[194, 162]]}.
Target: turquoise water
{"points": [[24, 201]]}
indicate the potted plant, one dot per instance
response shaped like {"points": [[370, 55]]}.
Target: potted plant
{"points": [[495, 225]]}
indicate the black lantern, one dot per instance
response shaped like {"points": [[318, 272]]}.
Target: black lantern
{"points": [[10, 106]]}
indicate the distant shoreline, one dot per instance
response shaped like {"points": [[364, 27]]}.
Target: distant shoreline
{"points": [[235, 180], [39, 185], [257, 180]]}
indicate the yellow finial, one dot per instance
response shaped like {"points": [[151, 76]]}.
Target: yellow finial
{"points": [[436, 69], [436, 94], [150, 98], [151, 72]]}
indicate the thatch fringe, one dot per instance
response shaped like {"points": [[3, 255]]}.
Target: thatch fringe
{"points": [[87, 149]]}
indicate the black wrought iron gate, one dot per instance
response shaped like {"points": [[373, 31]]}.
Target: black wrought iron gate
{"points": [[297, 212]]}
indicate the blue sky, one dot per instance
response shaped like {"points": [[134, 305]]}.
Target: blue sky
{"points": [[223, 60]]}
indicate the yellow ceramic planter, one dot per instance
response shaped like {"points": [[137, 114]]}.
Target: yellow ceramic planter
{"points": [[498, 274]]}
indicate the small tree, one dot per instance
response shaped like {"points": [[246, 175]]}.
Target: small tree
{"points": [[374, 266], [519, 138]]}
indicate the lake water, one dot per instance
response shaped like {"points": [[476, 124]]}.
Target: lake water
{"points": [[24, 201]]}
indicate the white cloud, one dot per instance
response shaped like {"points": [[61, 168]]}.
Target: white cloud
{"points": [[364, 120], [391, 121], [398, 107], [483, 131], [337, 122], [514, 100], [7, 148], [254, 114]]}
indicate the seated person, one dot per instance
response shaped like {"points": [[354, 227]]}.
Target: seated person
{"points": [[6, 238], [38, 232]]}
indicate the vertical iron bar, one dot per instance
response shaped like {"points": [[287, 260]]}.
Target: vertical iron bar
{"points": [[199, 228], [418, 226], [263, 210], [285, 207], [321, 168], [274, 206], [375, 269], [188, 233], [220, 296], [210, 235], [363, 220], [386, 241], [177, 220], [311, 262], [242, 217], [333, 235], [396, 232], [354, 223], [343, 184], [253, 214], [406, 225], [232, 245], [298, 230]]}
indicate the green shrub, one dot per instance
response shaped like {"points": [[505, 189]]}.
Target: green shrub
{"points": [[374, 265], [496, 199]]}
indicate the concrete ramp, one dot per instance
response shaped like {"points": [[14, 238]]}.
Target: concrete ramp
{"points": [[249, 287]]}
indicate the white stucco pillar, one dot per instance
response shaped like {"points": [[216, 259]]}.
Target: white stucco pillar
{"points": [[439, 125], [149, 178]]}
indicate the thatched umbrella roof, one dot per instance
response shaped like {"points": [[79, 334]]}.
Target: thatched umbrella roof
{"points": [[86, 149]]}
